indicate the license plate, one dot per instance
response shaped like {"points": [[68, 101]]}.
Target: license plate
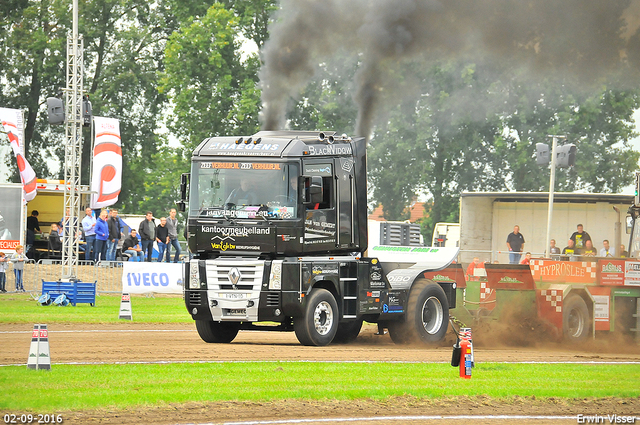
{"points": [[233, 296], [237, 312]]}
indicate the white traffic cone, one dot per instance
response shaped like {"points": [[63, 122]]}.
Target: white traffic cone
{"points": [[39, 351], [125, 307]]}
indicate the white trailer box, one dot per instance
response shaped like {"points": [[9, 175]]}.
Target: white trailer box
{"points": [[487, 218]]}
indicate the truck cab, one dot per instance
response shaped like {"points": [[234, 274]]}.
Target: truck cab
{"points": [[271, 194]]}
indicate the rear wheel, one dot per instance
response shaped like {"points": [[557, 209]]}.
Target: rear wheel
{"points": [[347, 332], [217, 332], [319, 323], [427, 317], [575, 318]]}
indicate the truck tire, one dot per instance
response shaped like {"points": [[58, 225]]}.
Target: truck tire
{"points": [[216, 332], [347, 332], [427, 315], [576, 323], [319, 323]]}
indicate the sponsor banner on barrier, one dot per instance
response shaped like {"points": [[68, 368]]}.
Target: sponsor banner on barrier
{"points": [[632, 273], [144, 278], [611, 272]]}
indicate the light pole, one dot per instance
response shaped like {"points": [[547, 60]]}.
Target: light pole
{"points": [[552, 182]]}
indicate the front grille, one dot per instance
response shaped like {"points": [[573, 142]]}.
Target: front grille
{"points": [[195, 298], [251, 273], [273, 299]]}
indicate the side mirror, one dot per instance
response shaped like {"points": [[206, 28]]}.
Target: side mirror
{"points": [[629, 224], [184, 183], [55, 111], [313, 193]]}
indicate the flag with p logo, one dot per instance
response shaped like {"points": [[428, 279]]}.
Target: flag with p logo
{"points": [[106, 175]]}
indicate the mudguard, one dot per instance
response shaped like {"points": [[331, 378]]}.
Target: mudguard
{"points": [[403, 264]]}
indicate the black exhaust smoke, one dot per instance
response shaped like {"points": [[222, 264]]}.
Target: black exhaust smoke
{"points": [[589, 41]]}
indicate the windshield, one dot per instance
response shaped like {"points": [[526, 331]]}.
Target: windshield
{"points": [[244, 189]]}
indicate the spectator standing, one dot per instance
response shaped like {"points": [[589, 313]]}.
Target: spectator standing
{"points": [[606, 251], [115, 231], [32, 222], [131, 246], [89, 228], [515, 243], [553, 249], [162, 237], [580, 238], [30, 250], [33, 227], [3, 271], [147, 231], [18, 267], [102, 235], [172, 225]]}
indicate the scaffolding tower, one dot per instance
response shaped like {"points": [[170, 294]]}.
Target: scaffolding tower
{"points": [[73, 150]]}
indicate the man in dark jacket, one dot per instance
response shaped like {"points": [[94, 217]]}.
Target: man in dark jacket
{"points": [[147, 232], [162, 237], [131, 246], [115, 231]]}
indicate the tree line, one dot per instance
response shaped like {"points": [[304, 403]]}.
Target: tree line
{"points": [[183, 71]]}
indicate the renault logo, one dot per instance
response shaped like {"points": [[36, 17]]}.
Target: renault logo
{"points": [[234, 276]]}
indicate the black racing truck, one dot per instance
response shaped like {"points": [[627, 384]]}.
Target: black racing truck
{"points": [[277, 231]]}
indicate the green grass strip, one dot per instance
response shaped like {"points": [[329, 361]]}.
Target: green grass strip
{"points": [[79, 387], [21, 308]]}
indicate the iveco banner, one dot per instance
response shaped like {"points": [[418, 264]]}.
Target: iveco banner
{"points": [[145, 278]]}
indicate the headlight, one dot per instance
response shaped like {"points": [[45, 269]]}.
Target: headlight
{"points": [[275, 278], [194, 275]]}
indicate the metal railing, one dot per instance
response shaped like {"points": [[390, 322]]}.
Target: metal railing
{"points": [[106, 274], [502, 257]]}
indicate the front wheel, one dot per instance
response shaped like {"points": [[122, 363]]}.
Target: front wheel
{"points": [[319, 323], [427, 317], [217, 332], [575, 318]]}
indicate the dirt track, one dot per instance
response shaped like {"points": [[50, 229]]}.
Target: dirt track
{"points": [[131, 342]]}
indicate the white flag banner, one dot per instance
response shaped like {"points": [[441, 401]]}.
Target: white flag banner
{"points": [[11, 120], [145, 278], [106, 174]]}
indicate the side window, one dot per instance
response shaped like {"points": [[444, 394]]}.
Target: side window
{"points": [[324, 171]]}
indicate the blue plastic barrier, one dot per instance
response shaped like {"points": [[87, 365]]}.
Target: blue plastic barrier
{"points": [[76, 292]]}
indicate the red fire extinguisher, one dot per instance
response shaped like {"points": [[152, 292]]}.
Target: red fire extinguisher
{"points": [[466, 353]]}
